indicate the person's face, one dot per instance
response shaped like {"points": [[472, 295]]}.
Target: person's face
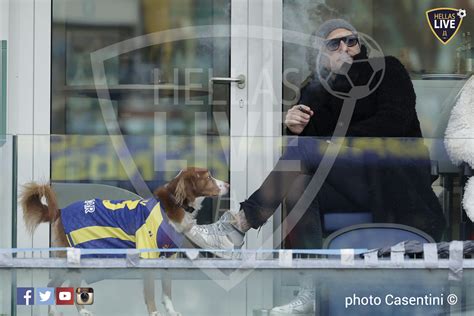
{"points": [[343, 54]]}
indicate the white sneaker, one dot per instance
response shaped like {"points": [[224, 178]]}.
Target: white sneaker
{"points": [[303, 304], [221, 235]]}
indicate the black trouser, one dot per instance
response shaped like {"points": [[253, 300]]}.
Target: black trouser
{"points": [[346, 179]]}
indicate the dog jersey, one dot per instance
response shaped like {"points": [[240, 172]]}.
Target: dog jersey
{"points": [[119, 224]]}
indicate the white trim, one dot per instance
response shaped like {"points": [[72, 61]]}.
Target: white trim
{"points": [[264, 127], [5, 153], [238, 102], [20, 96], [4, 20], [41, 90], [265, 99], [41, 103], [29, 98], [239, 122], [42, 69], [20, 65]]}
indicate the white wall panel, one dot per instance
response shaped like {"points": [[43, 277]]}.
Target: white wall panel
{"points": [[29, 32]]}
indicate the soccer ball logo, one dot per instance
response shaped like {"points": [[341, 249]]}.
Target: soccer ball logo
{"points": [[355, 87]]}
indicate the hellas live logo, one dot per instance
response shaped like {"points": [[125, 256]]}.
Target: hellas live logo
{"points": [[445, 22]]}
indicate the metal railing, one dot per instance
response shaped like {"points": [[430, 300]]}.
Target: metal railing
{"points": [[235, 259]]}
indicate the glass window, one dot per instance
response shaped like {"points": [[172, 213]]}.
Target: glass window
{"points": [[159, 90], [401, 29], [82, 27]]}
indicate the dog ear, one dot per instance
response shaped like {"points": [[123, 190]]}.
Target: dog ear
{"points": [[180, 192]]}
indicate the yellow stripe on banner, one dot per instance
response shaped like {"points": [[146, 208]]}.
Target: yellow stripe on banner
{"points": [[144, 238], [99, 232]]}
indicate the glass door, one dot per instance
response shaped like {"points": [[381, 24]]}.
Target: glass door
{"points": [[166, 78]]}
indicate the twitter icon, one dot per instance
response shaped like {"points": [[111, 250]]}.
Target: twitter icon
{"points": [[44, 296]]}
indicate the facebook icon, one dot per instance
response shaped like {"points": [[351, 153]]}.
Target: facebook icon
{"points": [[25, 296]]}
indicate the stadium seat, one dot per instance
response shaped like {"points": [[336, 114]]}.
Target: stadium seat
{"points": [[372, 236], [70, 192]]}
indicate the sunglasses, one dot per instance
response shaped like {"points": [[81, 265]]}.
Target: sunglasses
{"points": [[334, 43]]}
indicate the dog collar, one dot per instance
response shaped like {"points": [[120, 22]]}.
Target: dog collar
{"points": [[187, 208]]}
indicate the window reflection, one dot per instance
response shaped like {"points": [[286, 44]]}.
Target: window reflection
{"points": [[82, 27], [438, 71], [147, 88], [399, 27]]}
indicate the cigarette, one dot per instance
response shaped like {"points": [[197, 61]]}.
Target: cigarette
{"points": [[302, 109]]}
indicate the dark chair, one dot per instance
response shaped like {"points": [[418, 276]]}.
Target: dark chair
{"points": [[338, 220], [68, 193], [334, 221], [374, 235], [370, 236]]}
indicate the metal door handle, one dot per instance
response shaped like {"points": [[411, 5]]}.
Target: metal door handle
{"points": [[240, 80]]}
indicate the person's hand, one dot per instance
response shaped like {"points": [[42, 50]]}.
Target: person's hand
{"points": [[297, 118]]}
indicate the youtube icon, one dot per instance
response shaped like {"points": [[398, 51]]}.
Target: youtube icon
{"points": [[65, 296]]}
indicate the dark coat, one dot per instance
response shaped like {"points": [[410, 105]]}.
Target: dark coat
{"points": [[400, 192]]}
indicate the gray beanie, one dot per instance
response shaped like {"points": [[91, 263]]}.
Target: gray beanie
{"points": [[330, 25]]}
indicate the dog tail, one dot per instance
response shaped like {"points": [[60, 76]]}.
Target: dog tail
{"points": [[39, 205]]}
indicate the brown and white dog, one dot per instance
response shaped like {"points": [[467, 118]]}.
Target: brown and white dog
{"points": [[177, 198]]}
